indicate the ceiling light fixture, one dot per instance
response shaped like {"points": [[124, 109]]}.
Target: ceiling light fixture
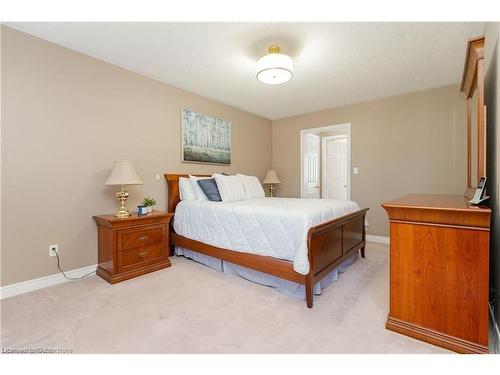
{"points": [[274, 68]]}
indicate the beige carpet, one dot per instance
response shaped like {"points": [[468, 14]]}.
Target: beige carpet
{"points": [[190, 308]]}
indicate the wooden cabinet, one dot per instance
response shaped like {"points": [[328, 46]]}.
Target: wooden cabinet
{"points": [[133, 246], [439, 270]]}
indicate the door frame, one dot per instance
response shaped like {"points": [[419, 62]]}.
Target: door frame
{"points": [[344, 126]]}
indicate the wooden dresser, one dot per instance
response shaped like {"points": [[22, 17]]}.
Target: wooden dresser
{"points": [[133, 246], [439, 274]]}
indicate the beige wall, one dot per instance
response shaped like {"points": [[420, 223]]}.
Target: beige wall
{"points": [[404, 144], [65, 118]]}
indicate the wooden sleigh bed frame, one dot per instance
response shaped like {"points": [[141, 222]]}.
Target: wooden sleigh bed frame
{"points": [[329, 244]]}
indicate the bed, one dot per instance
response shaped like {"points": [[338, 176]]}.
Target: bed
{"points": [[301, 241]]}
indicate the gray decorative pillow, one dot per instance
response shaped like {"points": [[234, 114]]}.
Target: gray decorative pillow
{"points": [[209, 187]]}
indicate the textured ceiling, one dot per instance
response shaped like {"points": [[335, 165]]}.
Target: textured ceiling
{"points": [[335, 63]]}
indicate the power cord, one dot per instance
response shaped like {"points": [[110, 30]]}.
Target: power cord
{"points": [[66, 277]]}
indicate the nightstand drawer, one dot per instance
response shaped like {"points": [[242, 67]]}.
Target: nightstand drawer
{"points": [[138, 237], [140, 255]]}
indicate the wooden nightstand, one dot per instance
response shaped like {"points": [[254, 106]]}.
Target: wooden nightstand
{"points": [[133, 246]]}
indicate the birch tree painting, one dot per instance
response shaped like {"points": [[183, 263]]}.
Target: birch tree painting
{"points": [[205, 139]]}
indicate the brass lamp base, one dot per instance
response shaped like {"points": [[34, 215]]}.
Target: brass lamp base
{"points": [[122, 211], [272, 190]]}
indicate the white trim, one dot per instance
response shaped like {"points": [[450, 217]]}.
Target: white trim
{"points": [[42, 282], [323, 128], [378, 239], [496, 331]]}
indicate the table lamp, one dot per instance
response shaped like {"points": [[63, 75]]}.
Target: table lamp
{"points": [[272, 180], [123, 173]]}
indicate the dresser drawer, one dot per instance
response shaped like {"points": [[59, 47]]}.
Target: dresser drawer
{"points": [[139, 237], [140, 256]]}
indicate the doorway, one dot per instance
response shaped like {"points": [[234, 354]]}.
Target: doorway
{"points": [[326, 162]]}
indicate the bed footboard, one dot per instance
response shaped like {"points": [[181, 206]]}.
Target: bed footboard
{"points": [[331, 243]]}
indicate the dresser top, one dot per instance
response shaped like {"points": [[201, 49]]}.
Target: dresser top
{"points": [[436, 202]]}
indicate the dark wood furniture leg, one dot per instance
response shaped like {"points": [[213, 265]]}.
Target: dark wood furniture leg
{"points": [[363, 248], [309, 291]]}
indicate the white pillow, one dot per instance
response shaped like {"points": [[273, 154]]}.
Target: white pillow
{"points": [[231, 188], [252, 186], [186, 191], [200, 195]]}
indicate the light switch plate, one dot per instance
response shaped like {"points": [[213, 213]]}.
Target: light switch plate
{"points": [[355, 170]]}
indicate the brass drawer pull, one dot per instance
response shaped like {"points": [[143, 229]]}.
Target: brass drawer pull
{"points": [[142, 238], [143, 254]]}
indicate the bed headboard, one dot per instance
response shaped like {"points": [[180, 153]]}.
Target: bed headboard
{"points": [[173, 196]]}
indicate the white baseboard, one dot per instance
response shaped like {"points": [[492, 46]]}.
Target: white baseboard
{"points": [[42, 282], [496, 331], [378, 239]]}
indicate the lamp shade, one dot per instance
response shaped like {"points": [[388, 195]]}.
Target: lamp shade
{"points": [[275, 67], [123, 173], [271, 178]]}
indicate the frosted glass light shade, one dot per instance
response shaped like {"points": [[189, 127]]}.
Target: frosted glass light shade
{"points": [[274, 68], [271, 178], [123, 173]]}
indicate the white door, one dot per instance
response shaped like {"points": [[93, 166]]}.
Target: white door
{"points": [[335, 179], [310, 166]]}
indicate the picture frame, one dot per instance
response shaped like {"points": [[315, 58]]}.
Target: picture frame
{"points": [[205, 139]]}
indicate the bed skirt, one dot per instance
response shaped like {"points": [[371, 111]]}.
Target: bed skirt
{"points": [[284, 286]]}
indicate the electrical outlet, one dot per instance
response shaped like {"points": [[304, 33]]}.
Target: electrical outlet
{"points": [[157, 177], [52, 250]]}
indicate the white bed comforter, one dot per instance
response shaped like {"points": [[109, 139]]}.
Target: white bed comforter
{"points": [[275, 227]]}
